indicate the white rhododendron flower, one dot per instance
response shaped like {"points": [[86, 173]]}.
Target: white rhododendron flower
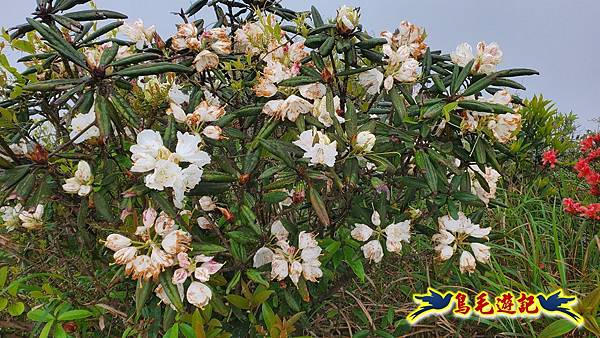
{"points": [[149, 154], [486, 60], [371, 80], [116, 242], [79, 123], [207, 204], [373, 251], [505, 126], [409, 35], [394, 234], [317, 147], [322, 114], [213, 132], [347, 19], [198, 294], [205, 60], [205, 112], [218, 40], [365, 141], [313, 91], [467, 262], [32, 220], [81, 183], [186, 37], [138, 34], [454, 234], [10, 216], [491, 176], [289, 108]]}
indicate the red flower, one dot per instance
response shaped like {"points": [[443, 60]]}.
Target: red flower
{"points": [[549, 158], [591, 211]]}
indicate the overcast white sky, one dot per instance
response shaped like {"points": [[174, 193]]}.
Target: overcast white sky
{"points": [[557, 37]]}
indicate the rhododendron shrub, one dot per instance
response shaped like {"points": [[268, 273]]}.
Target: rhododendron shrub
{"points": [[240, 169]]}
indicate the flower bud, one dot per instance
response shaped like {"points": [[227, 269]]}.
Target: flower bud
{"points": [[365, 141], [116, 242], [346, 19]]}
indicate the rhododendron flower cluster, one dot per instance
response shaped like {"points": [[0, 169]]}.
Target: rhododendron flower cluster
{"points": [[394, 234], [149, 154], [454, 234], [288, 260]]}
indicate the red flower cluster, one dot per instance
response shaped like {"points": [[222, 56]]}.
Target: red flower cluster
{"points": [[590, 146], [549, 158], [591, 211]]}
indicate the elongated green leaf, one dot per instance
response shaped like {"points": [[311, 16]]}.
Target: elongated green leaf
{"points": [[58, 84], [480, 85], [101, 31], [134, 59], [195, 7], [317, 203], [153, 69], [276, 149], [142, 293], [171, 290], [103, 116], [125, 111], [74, 315], [461, 77], [316, 16], [94, 14], [59, 44]]}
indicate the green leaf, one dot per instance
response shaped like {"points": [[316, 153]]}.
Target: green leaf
{"points": [[103, 116], [423, 162], [39, 315], [59, 332], [398, 103], [46, 330], [16, 309], [480, 85], [260, 297], [317, 203], [74, 315], [357, 266], [102, 207], [275, 196], [558, 328], [142, 293], [173, 332], [485, 107], [195, 7], [327, 46], [299, 81], [125, 111], [255, 276], [3, 276], [276, 149], [153, 69], [101, 31], [58, 43], [163, 203], [316, 17], [268, 315], [238, 301], [461, 77], [94, 14], [171, 290]]}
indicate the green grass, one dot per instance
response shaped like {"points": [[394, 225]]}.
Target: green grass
{"points": [[536, 247]]}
